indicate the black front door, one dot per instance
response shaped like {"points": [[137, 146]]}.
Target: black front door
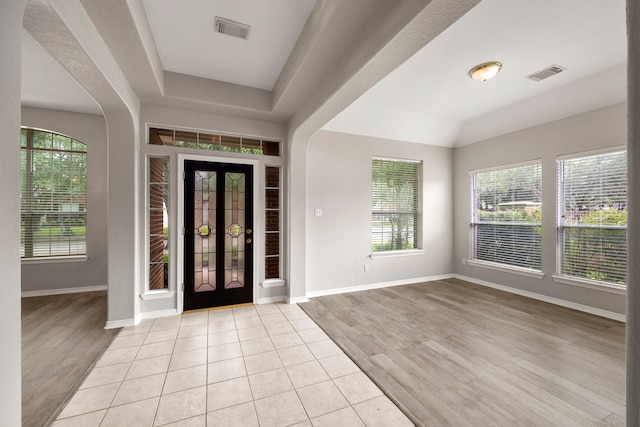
{"points": [[218, 256]]}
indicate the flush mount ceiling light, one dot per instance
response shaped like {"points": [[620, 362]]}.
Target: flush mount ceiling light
{"points": [[484, 72]]}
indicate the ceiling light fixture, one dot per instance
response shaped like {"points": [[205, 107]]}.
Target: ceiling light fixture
{"points": [[231, 28], [484, 72]]}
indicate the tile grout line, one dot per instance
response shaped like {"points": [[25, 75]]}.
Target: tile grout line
{"points": [[182, 326]]}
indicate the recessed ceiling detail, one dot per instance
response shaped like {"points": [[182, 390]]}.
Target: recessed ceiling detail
{"points": [[187, 45], [550, 71], [231, 28]]}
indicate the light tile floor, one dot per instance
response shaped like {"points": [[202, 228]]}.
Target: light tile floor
{"points": [[264, 365]]}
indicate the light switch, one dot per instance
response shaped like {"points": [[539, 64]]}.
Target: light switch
{"points": [[318, 212]]}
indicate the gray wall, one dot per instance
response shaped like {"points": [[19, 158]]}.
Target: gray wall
{"points": [[91, 130], [593, 130], [339, 183]]}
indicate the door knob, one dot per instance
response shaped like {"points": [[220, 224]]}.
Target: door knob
{"points": [[249, 240], [248, 231]]}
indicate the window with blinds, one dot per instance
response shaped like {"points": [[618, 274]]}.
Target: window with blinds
{"points": [[396, 216], [53, 195], [506, 214], [592, 217]]}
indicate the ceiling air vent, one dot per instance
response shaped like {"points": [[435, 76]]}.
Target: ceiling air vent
{"points": [[231, 28], [546, 73]]}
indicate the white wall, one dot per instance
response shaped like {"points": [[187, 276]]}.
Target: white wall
{"points": [[339, 183], [600, 128], [10, 47], [91, 130]]}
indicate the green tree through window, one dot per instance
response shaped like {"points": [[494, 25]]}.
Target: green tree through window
{"points": [[592, 217], [506, 216], [53, 195], [396, 211]]}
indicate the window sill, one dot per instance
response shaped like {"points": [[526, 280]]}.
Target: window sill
{"points": [[273, 283], [160, 294], [393, 254], [591, 284], [504, 268], [54, 259]]}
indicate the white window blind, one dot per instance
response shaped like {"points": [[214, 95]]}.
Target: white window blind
{"points": [[506, 216], [53, 197], [592, 217], [395, 204]]}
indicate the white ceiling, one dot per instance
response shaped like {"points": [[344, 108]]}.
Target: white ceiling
{"points": [[430, 98], [187, 43]]}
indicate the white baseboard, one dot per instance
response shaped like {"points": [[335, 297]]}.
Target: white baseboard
{"points": [[271, 300], [296, 300], [159, 313], [62, 291], [114, 324], [557, 301], [334, 291]]}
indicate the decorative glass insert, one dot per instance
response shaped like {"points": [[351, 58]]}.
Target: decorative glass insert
{"points": [[208, 141], [158, 223], [506, 215], [234, 239], [272, 217], [592, 217], [204, 243], [396, 216], [53, 196]]}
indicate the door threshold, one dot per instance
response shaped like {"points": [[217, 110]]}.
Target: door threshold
{"points": [[198, 310]]}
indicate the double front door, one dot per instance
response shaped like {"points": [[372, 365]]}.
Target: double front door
{"points": [[218, 261]]}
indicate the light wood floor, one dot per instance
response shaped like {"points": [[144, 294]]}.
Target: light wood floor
{"points": [[451, 353], [62, 337]]}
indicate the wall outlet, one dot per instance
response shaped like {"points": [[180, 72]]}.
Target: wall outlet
{"points": [[366, 268], [317, 212]]}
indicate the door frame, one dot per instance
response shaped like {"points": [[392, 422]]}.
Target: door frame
{"points": [[257, 222]]}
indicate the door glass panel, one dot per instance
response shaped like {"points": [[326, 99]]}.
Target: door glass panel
{"points": [[204, 241], [234, 229]]}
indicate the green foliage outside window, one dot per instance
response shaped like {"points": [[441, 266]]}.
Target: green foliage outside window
{"points": [[53, 194]]}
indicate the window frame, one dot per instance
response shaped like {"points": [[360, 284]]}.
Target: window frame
{"points": [[475, 222], [56, 258], [559, 276], [417, 212], [149, 292]]}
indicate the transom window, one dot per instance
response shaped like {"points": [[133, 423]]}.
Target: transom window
{"points": [[592, 217], [53, 196], [396, 215], [506, 212], [213, 141]]}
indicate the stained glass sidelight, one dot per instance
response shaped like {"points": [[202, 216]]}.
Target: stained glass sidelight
{"points": [[234, 228], [204, 243], [272, 219], [158, 223]]}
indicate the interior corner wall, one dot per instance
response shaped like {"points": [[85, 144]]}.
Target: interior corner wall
{"points": [[339, 241], [605, 127], [91, 130]]}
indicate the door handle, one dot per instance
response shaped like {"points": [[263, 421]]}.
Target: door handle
{"points": [[249, 240], [248, 231]]}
